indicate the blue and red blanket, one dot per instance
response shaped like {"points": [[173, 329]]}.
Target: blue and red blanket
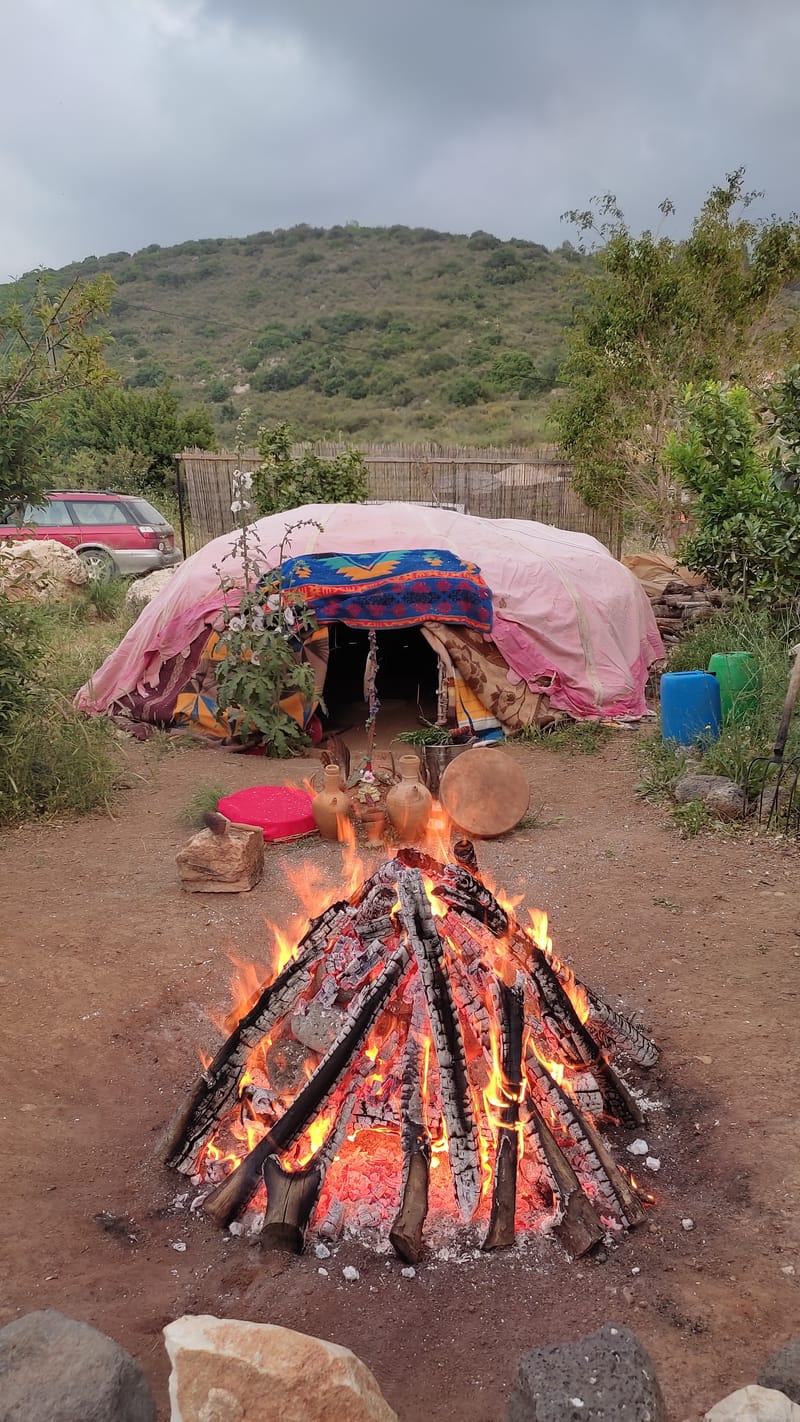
{"points": [[392, 589]]}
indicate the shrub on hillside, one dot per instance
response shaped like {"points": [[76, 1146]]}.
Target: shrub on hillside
{"points": [[466, 391]]}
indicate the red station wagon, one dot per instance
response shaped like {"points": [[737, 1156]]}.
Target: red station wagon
{"points": [[115, 534]]}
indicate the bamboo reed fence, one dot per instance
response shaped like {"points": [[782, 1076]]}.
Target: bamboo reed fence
{"points": [[534, 483]]}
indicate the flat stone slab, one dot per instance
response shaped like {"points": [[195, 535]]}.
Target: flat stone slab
{"points": [[782, 1370]]}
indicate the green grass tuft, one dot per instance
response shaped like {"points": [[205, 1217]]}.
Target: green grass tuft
{"points": [[205, 798], [570, 738]]}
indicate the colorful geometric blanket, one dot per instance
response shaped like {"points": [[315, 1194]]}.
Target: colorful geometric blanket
{"points": [[392, 589]]}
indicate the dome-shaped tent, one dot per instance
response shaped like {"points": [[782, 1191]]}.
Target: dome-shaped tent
{"points": [[563, 608]]}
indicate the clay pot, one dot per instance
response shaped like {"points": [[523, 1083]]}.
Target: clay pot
{"points": [[331, 804], [409, 802]]}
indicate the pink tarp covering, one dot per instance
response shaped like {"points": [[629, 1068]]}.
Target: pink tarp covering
{"points": [[563, 607]]}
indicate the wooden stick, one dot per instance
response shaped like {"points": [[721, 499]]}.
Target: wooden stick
{"points": [[502, 1228], [579, 1229], [291, 1197], [462, 1134], [223, 1203], [405, 1234]]}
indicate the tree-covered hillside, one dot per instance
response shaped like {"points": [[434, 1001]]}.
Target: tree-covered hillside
{"points": [[378, 333]]}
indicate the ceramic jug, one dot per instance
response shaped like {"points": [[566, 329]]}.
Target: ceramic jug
{"points": [[331, 805], [409, 801]]}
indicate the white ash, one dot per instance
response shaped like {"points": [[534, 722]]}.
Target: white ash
{"points": [[350, 1274], [179, 1245], [653, 1163], [638, 1147]]}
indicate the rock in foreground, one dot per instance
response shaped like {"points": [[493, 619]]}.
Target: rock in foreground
{"points": [[782, 1370], [754, 1404], [224, 1370], [605, 1377], [53, 1369]]}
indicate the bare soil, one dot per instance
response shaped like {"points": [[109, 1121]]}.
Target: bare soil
{"points": [[108, 973]]}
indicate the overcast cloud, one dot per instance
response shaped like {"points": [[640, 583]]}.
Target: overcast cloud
{"points": [[125, 122]]}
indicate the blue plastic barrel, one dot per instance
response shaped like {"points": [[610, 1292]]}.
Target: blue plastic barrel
{"points": [[690, 707]]}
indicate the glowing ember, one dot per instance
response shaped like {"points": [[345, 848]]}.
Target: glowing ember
{"points": [[417, 1055]]}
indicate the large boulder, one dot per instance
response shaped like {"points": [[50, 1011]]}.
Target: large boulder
{"points": [[224, 1370], [754, 1404], [782, 1370], [53, 1369], [721, 795], [605, 1377], [143, 590], [40, 570]]}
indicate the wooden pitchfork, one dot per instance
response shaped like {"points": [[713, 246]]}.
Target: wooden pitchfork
{"points": [[771, 780]]}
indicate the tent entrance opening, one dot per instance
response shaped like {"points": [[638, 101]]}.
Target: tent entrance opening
{"points": [[408, 673]]}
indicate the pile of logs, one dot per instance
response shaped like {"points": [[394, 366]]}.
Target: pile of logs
{"points": [[420, 990], [678, 607]]}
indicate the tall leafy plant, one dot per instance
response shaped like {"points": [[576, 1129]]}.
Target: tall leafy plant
{"points": [[264, 630], [285, 480], [746, 530]]}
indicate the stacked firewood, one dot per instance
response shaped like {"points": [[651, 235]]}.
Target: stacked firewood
{"points": [[678, 607]]}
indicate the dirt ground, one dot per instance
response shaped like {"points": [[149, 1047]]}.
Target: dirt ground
{"points": [[108, 973]]}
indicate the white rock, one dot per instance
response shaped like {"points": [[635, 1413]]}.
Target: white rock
{"points": [[754, 1404], [409, 1273], [323, 1272], [143, 590], [322, 1251], [224, 1370], [653, 1163], [638, 1147], [787, 1268], [350, 1274], [687, 1224], [40, 570], [179, 1245]]}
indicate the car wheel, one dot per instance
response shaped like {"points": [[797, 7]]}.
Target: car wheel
{"points": [[99, 565]]}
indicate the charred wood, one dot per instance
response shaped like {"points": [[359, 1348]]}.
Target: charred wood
{"points": [[448, 1042], [291, 1197], [579, 1228], [501, 1230], [223, 1203], [216, 1085]]}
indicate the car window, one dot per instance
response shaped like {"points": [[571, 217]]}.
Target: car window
{"points": [[145, 512], [87, 512], [50, 515]]}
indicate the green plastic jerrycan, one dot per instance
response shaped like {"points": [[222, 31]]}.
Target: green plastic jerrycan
{"points": [[739, 684]]}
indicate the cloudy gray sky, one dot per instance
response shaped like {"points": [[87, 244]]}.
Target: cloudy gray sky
{"points": [[125, 122]]}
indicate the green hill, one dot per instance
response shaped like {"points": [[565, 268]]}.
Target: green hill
{"points": [[379, 333]]}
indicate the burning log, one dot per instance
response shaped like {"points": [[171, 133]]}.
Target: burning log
{"points": [[237, 1188], [215, 1086], [630, 1037], [291, 1197], [405, 1235], [448, 1042], [502, 1227], [579, 1228]]}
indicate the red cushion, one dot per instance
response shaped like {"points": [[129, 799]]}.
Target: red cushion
{"points": [[281, 811]]}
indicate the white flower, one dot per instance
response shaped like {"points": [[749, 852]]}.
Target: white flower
{"points": [[255, 659], [368, 777], [289, 617], [236, 506], [257, 620], [273, 602], [237, 624], [245, 482]]}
